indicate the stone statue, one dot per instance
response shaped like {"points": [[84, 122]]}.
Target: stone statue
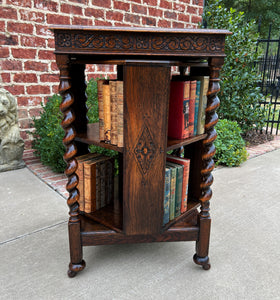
{"points": [[11, 144]]}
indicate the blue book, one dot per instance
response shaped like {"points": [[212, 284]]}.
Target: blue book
{"points": [[197, 98]]}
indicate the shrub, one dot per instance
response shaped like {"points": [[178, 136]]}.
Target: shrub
{"points": [[240, 97], [48, 132], [230, 147]]}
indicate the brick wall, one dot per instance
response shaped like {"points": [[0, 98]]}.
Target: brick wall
{"points": [[27, 65]]}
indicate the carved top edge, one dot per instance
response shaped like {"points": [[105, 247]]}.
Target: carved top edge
{"points": [[104, 41]]}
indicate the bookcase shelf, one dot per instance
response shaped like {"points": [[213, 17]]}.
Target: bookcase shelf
{"points": [[144, 57]]}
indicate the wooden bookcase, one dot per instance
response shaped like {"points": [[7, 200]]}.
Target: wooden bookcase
{"points": [[144, 57]]}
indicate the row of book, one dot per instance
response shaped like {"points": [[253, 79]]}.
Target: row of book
{"points": [[176, 187], [187, 104], [110, 105], [96, 181]]}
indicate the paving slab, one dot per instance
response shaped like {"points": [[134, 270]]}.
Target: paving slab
{"points": [[27, 204], [244, 252]]}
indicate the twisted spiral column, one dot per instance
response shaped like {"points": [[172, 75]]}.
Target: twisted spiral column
{"points": [[76, 264], [204, 220]]}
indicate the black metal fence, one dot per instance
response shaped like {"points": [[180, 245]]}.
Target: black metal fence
{"points": [[268, 66]]}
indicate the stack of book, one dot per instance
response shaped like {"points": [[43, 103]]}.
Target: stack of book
{"points": [[110, 104], [176, 187], [96, 181], [187, 104]]}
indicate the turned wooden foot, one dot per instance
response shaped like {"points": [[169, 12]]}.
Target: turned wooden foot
{"points": [[75, 268], [203, 261]]}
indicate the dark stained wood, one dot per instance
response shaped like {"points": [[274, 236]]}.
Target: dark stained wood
{"points": [[143, 57]]}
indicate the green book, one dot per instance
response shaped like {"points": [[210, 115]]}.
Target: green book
{"points": [[196, 107], [178, 187], [166, 196], [173, 174]]}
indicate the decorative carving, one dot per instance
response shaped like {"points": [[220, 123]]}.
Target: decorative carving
{"points": [[145, 150], [141, 42], [11, 144]]}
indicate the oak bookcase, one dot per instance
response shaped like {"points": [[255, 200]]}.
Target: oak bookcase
{"points": [[144, 57]]}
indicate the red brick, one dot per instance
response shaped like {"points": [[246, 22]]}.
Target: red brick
{"points": [[35, 66], [184, 18], [155, 12], [165, 4], [35, 112], [81, 21], [121, 5], [15, 89], [49, 78], [23, 77], [122, 24], [102, 3], [179, 7], [34, 16], [138, 9], [34, 101], [71, 9], [6, 77], [32, 41], [27, 144], [149, 21], [150, 2], [8, 64], [132, 19], [36, 90], [198, 2], [58, 19], [54, 66], [46, 54], [22, 113], [170, 15], [164, 23], [50, 43], [11, 40], [4, 52], [177, 25], [79, 1], [114, 15], [23, 3], [8, 13], [102, 23], [46, 5], [191, 10], [24, 53], [196, 20], [20, 27], [95, 13], [43, 30], [25, 123]]}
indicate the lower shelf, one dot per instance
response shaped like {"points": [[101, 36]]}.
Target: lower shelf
{"points": [[94, 233]]}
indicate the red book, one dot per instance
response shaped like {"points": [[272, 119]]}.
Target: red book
{"points": [[186, 163], [178, 121], [192, 107]]}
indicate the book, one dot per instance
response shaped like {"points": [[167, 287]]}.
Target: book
{"points": [[80, 173], [186, 163], [100, 83], [178, 187], [166, 196], [178, 120], [196, 106], [192, 107], [172, 199], [90, 184], [120, 112], [107, 112], [114, 111], [204, 85]]}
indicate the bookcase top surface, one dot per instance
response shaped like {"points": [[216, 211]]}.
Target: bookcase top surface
{"points": [[139, 41]]}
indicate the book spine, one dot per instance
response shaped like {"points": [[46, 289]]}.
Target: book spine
{"points": [[186, 110], [192, 107], [107, 112], [90, 187], [179, 183], [100, 83], [120, 112], [114, 112], [197, 98], [166, 196], [80, 186], [172, 194], [184, 204], [203, 105]]}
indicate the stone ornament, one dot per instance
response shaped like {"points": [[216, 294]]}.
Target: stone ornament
{"points": [[11, 144]]}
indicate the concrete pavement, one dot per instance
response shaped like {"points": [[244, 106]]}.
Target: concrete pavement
{"points": [[244, 246]]}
